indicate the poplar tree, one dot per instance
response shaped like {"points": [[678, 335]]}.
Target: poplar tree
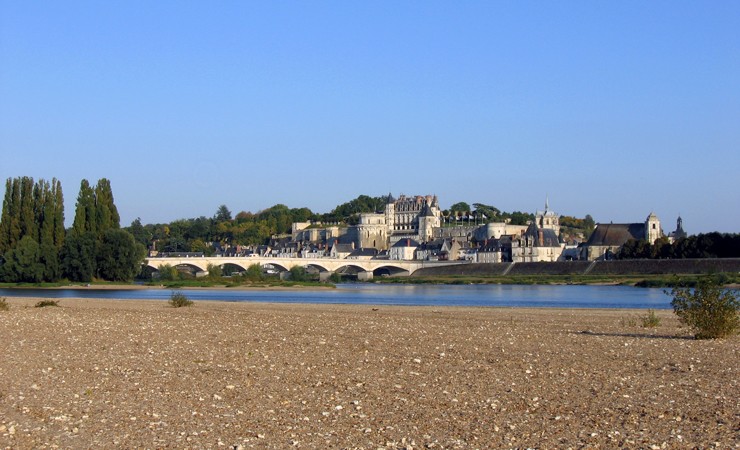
{"points": [[30, 216], [59, 231], [5, 217], [106, 213], [28, 225], [48, 252], [85, 214]]}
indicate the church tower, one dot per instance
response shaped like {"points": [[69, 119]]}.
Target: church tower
{"points": [[548, 219], [652, 228]]}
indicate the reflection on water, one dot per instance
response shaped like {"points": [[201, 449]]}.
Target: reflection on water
{"points": [[404, 294]]}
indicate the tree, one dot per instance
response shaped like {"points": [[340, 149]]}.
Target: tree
{"points": [[708, 309], [22, 263], [85, 211], [119, 256], [298, 273], [106, 213], [222, 214], [33, 210], [59, 230], [78, 256], [215, 271], [254, 272], [168, 272], [460, 207], [139, 232]]}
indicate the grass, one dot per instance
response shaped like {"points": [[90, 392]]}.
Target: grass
{"points": [[650, 320], [45, 303], [179, 300], [654, 281]]}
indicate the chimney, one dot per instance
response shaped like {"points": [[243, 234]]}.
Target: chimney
{"points": [[408, 242], [542, 238]]}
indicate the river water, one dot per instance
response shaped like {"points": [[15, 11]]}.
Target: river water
{"points": [[541, 296]]}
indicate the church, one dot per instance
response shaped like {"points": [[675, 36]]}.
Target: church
{"points": [[608, 238]]}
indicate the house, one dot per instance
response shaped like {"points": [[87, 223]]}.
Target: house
{"points": [[363, 253], [537, 244], [341, 251], [405, 249], [490, 252], [312, 251], [438, 250]]}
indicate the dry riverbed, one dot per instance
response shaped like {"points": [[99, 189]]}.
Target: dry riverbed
{"points": [[127, 374]]}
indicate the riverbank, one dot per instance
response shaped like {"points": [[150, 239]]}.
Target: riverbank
{"points": [[96, 373]]}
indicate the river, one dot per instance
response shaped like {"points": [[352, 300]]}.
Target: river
{"points": [[539, 296]]}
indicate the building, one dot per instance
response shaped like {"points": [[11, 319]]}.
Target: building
{"points": [[607, 239], [537, 244], [404, 249], [679, 233]]}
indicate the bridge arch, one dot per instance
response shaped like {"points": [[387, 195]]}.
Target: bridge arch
{"points": [[390, 271]]}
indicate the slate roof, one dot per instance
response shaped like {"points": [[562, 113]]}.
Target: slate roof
{"points": [[426, 211], [491, 245], [549, 237], [343, 248], [360, 252], [406, 243], [616, 234]]}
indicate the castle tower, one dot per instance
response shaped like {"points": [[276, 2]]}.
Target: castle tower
{"points": [[390, 214], [427, 222], [652, 228]]}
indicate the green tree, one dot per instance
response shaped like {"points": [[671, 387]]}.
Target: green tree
{"points": [[78, 256], [23, 263], [168, 273], [85, 210], [460, 207], [59, 230], [708, 309], [28, 223], [215, 271], [142, 235], [106, 213], [31, 210], [119, 256], [298, 273], [253, 272], [10, 230], [222, 214]]}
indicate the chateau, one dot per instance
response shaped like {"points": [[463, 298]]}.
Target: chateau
{"points": [[413, 225]]}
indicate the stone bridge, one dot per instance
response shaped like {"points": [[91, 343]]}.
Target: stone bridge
{"points": [[365, 268]]}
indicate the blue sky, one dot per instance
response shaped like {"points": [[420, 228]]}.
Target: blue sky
{"points": [[613, 109]]}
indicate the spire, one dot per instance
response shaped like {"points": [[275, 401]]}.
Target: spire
{"points": [[547, 202]]}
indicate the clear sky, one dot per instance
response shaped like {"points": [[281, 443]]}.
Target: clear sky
{"points": [[613, 109]]}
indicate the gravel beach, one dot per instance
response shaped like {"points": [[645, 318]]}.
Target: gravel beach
{"points": [[140, 374]]}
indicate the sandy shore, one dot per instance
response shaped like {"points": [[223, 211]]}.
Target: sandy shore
{"points": [[127, 374]]}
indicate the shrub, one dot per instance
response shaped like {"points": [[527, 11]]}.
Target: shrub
{"points": [[178, 300], [4, 306], [168, 273], [708, 309], [215, 271], [45, 303], [650, 320]]}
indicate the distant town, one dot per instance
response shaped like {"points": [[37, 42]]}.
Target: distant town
{"points": [[415, 228]]}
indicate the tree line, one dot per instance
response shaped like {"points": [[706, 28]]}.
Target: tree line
{"points": [[706, 245], [35, 247]]}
